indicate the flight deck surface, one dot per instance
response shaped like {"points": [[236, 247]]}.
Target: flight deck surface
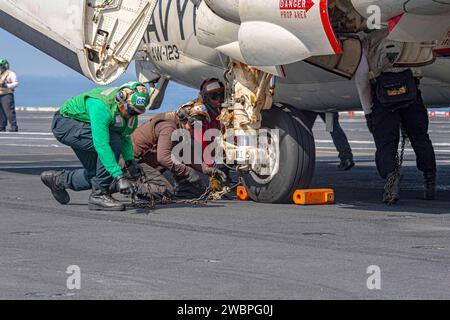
{"points": [[228, 249]]}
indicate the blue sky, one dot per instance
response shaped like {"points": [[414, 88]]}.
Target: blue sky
{"points": [[26, 60], [46, 82]]}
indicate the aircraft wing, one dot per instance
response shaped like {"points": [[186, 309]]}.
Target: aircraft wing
{"points": [[96, 38], [99, 38]]}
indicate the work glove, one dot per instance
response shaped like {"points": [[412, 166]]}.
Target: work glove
{"points": [[369, 121], [227, 171], [193, 177], [124, 185], [134, 169], [214, 172]]}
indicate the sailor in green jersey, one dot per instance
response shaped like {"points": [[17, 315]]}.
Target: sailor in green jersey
{"points": [[98, 125]]}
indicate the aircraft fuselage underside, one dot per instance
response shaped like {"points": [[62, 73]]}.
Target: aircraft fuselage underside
{"points": [[172, 49]]}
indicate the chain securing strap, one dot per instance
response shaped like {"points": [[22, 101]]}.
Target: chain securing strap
{"points": [[390, 197], [212, 193]]}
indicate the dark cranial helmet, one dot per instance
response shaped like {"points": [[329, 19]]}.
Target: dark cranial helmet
{"points": [[212, 89]]}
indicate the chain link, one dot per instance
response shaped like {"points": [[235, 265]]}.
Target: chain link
{"points": [[390, 197], [208, 196]]}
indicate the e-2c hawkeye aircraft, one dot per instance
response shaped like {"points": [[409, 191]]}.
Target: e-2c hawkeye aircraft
{"points": [[278, 58]]}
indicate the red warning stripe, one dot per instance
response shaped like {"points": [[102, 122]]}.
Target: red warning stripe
{"points": [[394, 21], [444, 52], [334, 42], [296, 5]]}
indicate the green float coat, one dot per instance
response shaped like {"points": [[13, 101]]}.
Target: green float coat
{"points": [[99, 108]]}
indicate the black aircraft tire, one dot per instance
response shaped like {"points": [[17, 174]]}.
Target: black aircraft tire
{"points": [[297, 157]]}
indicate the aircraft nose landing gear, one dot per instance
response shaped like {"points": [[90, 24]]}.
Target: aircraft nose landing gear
{"points": [[271, 147]]}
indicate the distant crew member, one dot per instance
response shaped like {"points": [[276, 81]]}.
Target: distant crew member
{"points": [[8, 83], [340, 142], [98, 126], [391, 99]]}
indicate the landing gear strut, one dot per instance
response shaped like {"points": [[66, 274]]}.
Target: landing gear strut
{"points": [[271, 147]]}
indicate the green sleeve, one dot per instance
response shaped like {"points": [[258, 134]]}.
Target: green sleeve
{"points": [[101, 120], [127, 148]]}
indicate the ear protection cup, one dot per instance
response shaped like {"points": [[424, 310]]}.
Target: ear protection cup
{"points": [[122, 97], [183, 114]]}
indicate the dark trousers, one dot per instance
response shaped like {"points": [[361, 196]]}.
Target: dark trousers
{"points": [[8, 111], [156, 179], [339, 138], [78, 136], [386, 133]]}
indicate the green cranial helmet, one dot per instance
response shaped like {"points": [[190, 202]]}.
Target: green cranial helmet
{"points": [[4, 63], [132, 85], [138, 101]]}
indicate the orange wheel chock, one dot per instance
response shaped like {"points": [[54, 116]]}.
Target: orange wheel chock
{"points": [[314, 196], [242, 193]]}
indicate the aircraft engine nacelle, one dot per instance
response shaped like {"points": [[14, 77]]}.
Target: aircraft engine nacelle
{"points": [[226, 9], [267, 33]]}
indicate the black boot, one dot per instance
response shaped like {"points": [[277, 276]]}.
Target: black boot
{"points": [[52, 179], [13, 129], [430, 185], [101, 200], [346, 165], [391, 193]]}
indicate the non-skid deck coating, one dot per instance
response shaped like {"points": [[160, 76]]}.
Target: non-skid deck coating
{"points": [[230, 249]]}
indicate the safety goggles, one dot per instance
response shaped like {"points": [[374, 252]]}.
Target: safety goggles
{"points": [[217, 96]]}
